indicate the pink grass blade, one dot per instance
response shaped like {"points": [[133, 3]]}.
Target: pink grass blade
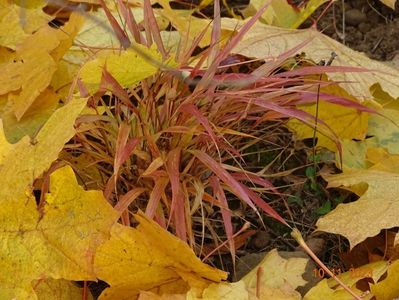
{"points": [[127, 199], [225, 176], [178, 206], [124, 148], [255, 179], [151, 22], [226, 214], [209, 74], [154, 166], [216, 33], [131, 22], [193, 110], [263, 205], [155, 196], [120, 34], [117, 89]]}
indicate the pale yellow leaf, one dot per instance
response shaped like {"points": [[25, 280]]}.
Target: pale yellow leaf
{"points": [[377, 208], [264, 41], [279, 277], [389, 3], [280, 13]]}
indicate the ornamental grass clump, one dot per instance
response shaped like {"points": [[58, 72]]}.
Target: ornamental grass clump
{"points": [[175, 145]]}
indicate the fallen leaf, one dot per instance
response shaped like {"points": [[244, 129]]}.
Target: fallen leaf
{"points": [[282, 14], [39, 112], [389, 3], [148, 258], [276, 277], [377, 208], [128, 68], [264, 41], [388, 288], [30, 72], [385, 129], [21, 21], [345, 122], [58, 242], [52, 289], [21, 163], [222, 291]]}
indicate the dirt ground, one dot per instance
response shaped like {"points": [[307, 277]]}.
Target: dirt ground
{"points": [[363, 25]]}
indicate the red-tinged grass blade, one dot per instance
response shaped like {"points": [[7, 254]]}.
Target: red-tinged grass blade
{"points": [[244, 29], [178, 206], [128, 150], [124, 148], [193, 110], [263, 205], [225, 176], [210, 72], [339, 100], [226, 214], [268, 67], [216, 33], [155, 196], [127, 199], [300, 115], [120, 34], [154, 165], [83, 91], [239, 241], [314, 70], [151, 22], [131, 22], [108, 80], [255, 179]]}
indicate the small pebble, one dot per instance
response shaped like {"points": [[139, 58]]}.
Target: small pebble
{"points": [[354, 17]]}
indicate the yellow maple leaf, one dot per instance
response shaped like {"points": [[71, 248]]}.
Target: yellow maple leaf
{"points": [[263, 41], [388, 288], [58, 242], [280, 13], [273, 278], [17, 23], [27, 75], [277, 277], [128, 68], [39, 112], [345, 123], [21, 163], [149, 258], [377, 208]]}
